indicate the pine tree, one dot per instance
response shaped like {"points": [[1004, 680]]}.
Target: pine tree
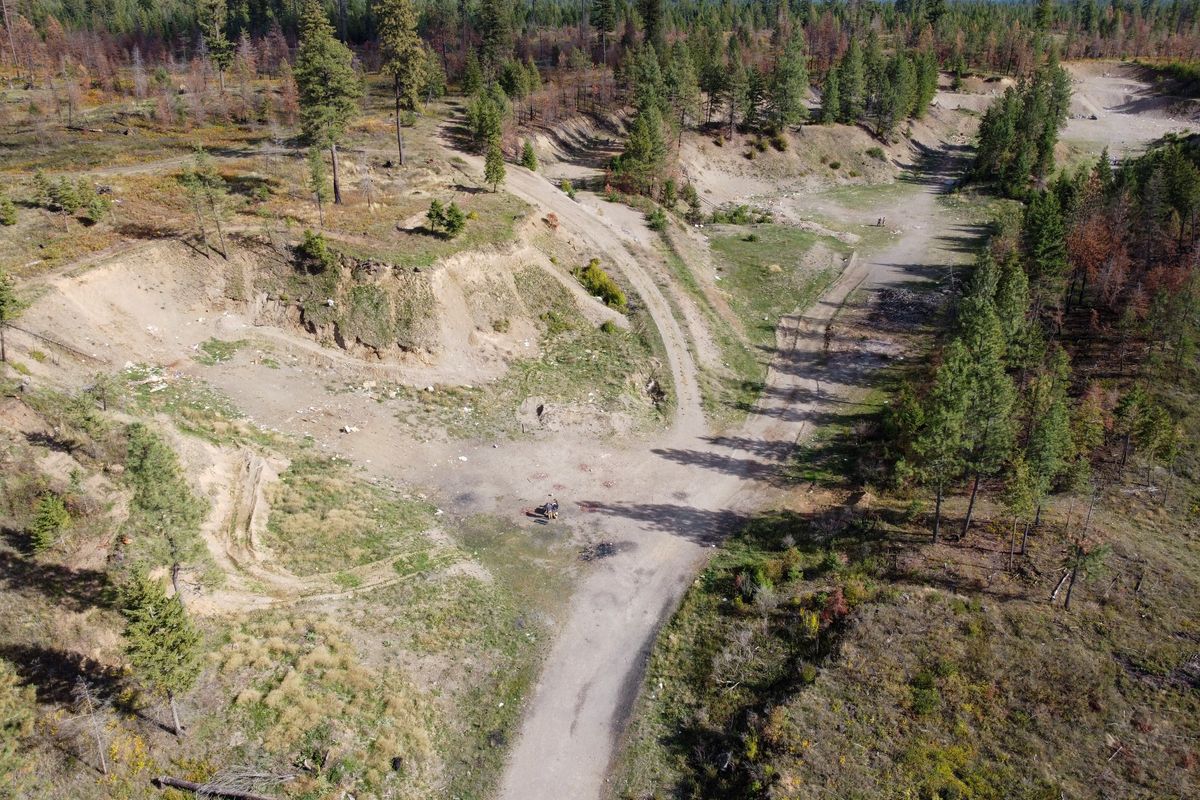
{"points": [[485, 115], [604, 20], [455, 220], [495, 33], [162, 645], [645, 153], [739, 87], [646, 80], [49, 520], [472, 80], [789, 83], [852, 80], [1018, 499], [940, 443], [493, 168], [528, 156], [329, 88], [1046, 247], [831, 98], [9, 309], [211, 15], [651, 12], [681, 86], [207, 192], [989, 438], [404, 57]]}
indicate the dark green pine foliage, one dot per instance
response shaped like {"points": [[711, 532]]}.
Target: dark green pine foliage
{"points": [[831, 98], [162, 645], [988, 439], [1018, 132], [211, 15], [328, 86], [853, 84], [1046, 250], [789, 82], [651, 12], [495, 34]]}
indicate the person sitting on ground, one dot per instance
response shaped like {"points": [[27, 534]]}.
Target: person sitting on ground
{"points": [[552, 508]]}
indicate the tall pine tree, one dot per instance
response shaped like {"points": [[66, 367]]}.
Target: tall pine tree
{"points": [[329, 88], [404, 57]]}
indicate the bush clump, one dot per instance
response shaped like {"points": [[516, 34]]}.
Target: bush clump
{"points": [[446, 221], [600, 283], [657, 219], [877, 153], [8, 211], [50, 519], [313, 253]]}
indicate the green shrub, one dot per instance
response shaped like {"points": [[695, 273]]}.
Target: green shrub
{"points": [[528, 156], [877, 153], [8, 211], [835, 165], [456, 220], [608, 326], [568, 188], [670, 196], [49, 521], [314, 253], [600, 283], [657, 219], [96, 209], [925, 697], [445, 221], [779, 142]]}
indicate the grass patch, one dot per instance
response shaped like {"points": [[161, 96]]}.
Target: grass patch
{"points": [[195, 407], [325, 519], [218, 351], [765, 276]]}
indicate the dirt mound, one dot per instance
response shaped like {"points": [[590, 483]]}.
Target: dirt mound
{"points": [[462, 320]]}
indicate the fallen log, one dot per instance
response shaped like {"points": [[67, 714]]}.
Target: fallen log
{"points": [[200, 788]]}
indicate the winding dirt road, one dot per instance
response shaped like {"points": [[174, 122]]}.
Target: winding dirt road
{"points": [[691, 490]]}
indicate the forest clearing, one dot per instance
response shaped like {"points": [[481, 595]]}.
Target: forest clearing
{"points": [[854, 348]]}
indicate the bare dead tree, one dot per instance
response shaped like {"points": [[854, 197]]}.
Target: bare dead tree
{"points": [[237, 782], [90, 708]]}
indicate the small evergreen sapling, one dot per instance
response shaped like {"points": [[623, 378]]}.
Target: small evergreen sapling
{"points": [[49, 521], [529, 157]]}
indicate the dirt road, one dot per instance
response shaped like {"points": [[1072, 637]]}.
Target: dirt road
{"points": [[685, 494]]}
